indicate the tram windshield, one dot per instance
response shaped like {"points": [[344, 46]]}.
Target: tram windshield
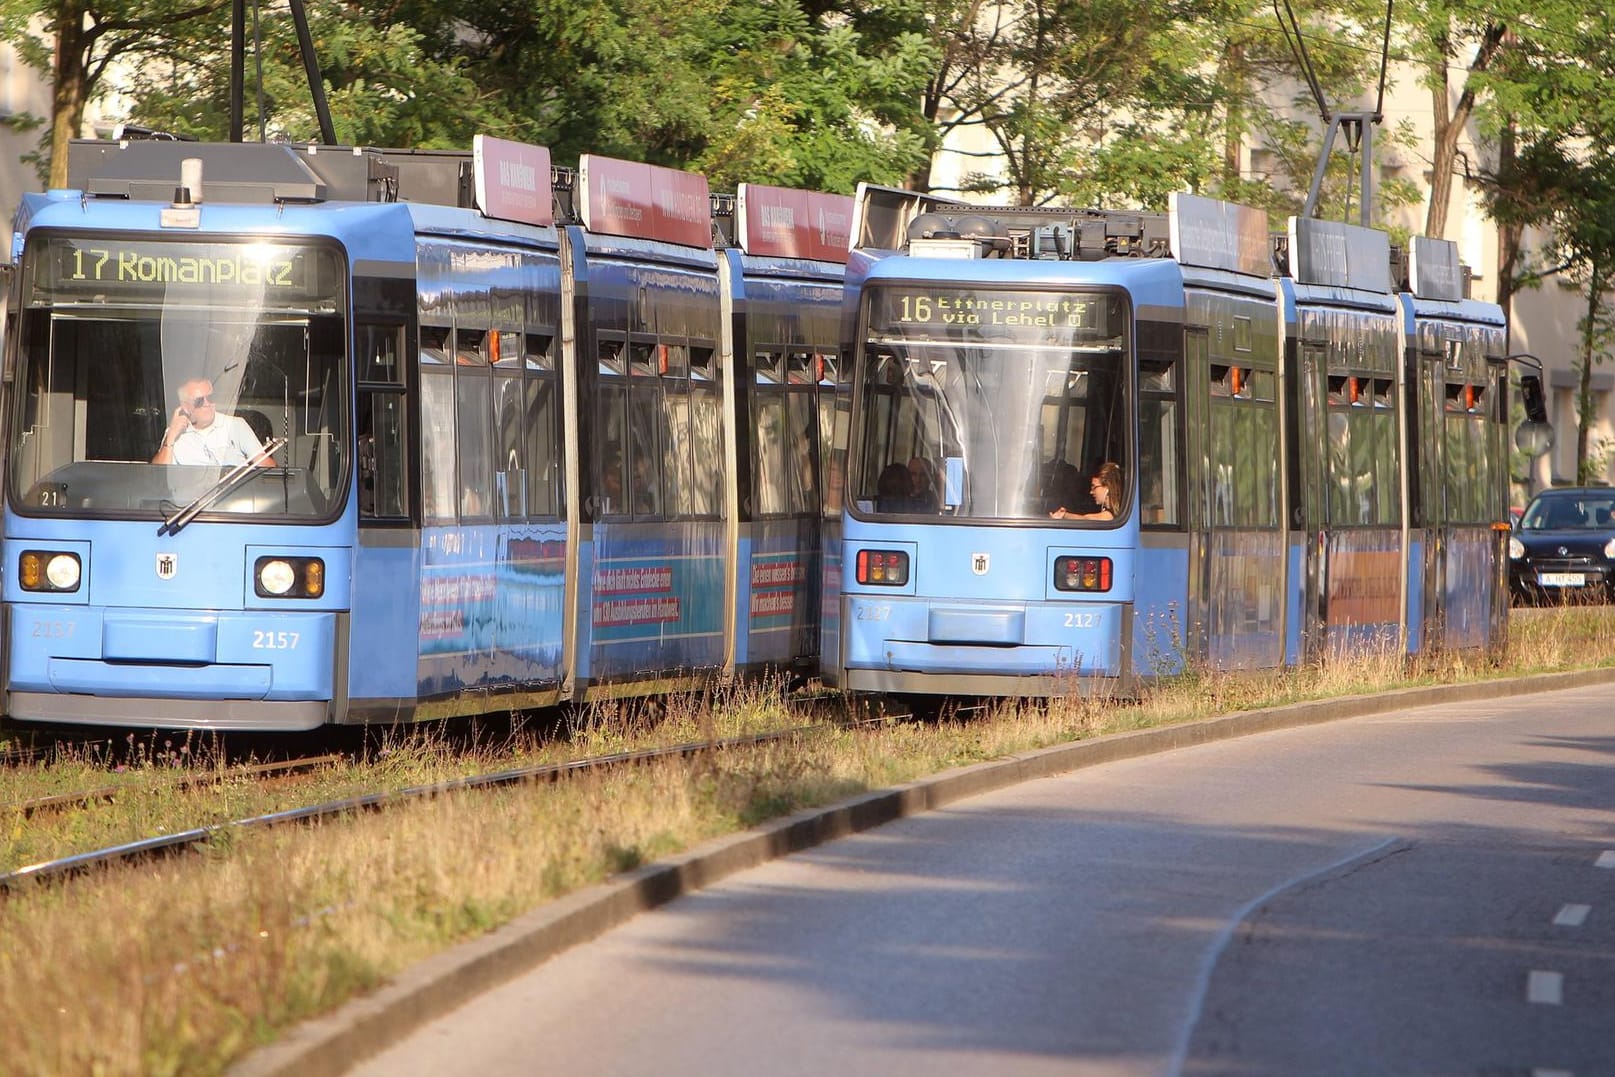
{"points": [[147, 368], [992, 404]]}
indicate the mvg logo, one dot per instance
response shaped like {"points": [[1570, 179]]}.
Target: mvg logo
{"points": [[167, 566], [979, 563]]}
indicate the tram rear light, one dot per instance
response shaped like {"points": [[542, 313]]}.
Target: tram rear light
{"points": [[49, 570], [885, 568], [1082, 573], [289, 577]]}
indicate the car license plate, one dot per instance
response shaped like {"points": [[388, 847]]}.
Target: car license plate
{"points": [[1562, 579]]}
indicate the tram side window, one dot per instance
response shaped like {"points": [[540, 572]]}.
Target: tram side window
{"points": [[644, 430], [1468, 477], [677, 473], [611, 465], [1362, 448], [474, 417], [1244, 445], [769, 494], [439, 497], [1158, 446], [706, 434], [802, 432], [383, 448]]}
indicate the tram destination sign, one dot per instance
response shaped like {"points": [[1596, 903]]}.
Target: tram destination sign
{"points": [[955, 313], [148, 270]]}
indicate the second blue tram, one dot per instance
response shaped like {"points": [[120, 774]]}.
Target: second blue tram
{"points": [[1270, 404], [500, 430]]}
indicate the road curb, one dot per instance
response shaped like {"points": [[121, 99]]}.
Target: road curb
{"points": [[428, 990]]}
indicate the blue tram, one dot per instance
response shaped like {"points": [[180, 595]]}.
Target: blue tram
{"points": [[1288, 486], [300, 435]]}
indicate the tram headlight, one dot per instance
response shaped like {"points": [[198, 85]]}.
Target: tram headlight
{"points": [[1516, 549], [1082, 574], [49, 570], [289, 577]]}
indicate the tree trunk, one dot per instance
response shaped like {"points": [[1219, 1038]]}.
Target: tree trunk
{"points": [[1584, 390], [1509, 235], [1445, 134], [71, 89]]}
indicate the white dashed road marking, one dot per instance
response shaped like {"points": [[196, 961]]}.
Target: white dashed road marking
{"points": [[1606, 859], [1545, 988], [1572, 915]]}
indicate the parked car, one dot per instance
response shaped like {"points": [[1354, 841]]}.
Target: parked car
{"points": [[1563, 547]]}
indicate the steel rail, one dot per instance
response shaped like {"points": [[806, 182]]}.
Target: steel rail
{"points": [[58, 801], [80, 863]]}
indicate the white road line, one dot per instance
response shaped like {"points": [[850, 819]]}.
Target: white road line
{"points": [[1208, 962], [1552, 1073], [1545, 988], [1572, 915], [1606, 859]]}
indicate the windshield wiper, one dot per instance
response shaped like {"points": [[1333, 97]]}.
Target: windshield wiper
{"points": [[227, 482]]}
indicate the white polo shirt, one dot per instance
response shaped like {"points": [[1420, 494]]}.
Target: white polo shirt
{"points": [[226, 442]]}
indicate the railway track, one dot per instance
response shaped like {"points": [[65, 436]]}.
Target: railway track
{"points": [[63, 801], [66, 867]]}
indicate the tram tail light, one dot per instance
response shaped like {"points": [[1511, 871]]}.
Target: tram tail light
{"points": [[1082, 573], [884, 568], [49, 570], [289, 577]]}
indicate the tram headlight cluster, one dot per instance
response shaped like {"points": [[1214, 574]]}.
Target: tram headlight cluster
{"points": [[884, 568], [289, 577], [1082, 573], [49, 570]]}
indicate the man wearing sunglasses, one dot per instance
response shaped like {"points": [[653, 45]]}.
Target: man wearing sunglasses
{"points": [[199, 434]]}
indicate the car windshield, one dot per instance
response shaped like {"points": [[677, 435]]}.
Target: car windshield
{"points": [[1582, 510]]}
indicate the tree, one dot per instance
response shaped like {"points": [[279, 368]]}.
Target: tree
{"points": [[83, 40]]}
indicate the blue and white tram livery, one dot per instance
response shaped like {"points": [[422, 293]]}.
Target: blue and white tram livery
{"points": [[1250, 389], [1457, 472], [782, 281], [497, 439]]}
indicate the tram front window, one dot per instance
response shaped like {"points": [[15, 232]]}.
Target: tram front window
{"points": [[1004, 412], [113, 330]]}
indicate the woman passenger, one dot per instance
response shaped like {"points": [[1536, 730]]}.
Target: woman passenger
{"points": [[1106, 487]]}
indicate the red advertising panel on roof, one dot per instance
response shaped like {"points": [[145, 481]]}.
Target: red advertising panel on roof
{"points": [[513, 180], [627, 198], [785, 223]]}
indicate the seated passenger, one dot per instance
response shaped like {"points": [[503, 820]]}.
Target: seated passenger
{"points": [[894, 489], [1106, 487], [200, 434], [923, 494]]}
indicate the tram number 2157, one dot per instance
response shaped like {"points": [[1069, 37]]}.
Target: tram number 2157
{"points": [[1081, 619]]}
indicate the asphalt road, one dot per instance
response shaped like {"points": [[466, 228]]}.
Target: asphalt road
{"points": [[1426, 893]]}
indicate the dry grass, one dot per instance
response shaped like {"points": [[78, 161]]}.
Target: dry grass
{"points": [[184, 967]]}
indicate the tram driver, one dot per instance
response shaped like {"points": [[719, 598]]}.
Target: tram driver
{"points": [[198, 433]]}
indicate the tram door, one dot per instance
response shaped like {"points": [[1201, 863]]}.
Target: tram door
{"points": [[1501, 446], [1309, 493], [1431, 516], [1197, 611]]}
